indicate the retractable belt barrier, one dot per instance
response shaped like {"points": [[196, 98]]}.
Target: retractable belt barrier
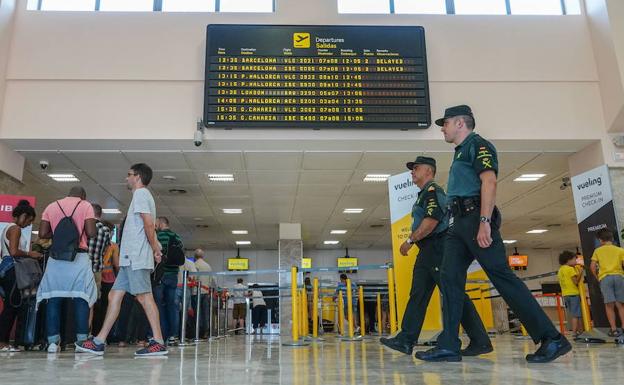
{"points": [[299, 299]]}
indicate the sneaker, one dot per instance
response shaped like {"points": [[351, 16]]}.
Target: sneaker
{"points": [[89, 346], [172, 341], [152, 349], [53, 348], [9, 349]]}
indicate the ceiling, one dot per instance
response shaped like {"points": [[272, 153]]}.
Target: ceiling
{"points": [[307, 187]]}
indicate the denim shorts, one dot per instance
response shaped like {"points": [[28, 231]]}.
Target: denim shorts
{"points": [[612, 288], [573, 304], [133, 281]]}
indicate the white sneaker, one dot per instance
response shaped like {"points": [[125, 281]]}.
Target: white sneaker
{"points": [[53, 348]]}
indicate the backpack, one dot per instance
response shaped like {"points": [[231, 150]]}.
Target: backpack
{"points": [[175, 252], [65, 238]]}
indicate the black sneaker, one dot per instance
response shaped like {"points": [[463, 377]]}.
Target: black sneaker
{"points": [[152, 349], [397, 344], [476, 350], [550, 350]]}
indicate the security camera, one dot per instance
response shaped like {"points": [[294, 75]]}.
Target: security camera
{"points": [[199, 134], [44, 164], [199, 138]]}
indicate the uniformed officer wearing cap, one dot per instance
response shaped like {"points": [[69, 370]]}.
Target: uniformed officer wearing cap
{"points": [[474, 233], [429, 226]]}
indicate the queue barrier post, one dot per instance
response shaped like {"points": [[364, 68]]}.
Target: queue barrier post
{"points": [[315, 320], [184, 310], [350, 320], [361, 303], [341, 314], [379, 320], [392, 301], [295, 316], [198, 312]]}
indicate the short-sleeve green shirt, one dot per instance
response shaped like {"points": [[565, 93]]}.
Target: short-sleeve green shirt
{"points": [[472, 157]]}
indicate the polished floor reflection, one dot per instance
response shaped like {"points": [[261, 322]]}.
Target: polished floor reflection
{"points": [[262, 360]]}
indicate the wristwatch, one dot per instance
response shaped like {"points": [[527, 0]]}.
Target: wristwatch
{"points": [[410, 242], [483, 219]]}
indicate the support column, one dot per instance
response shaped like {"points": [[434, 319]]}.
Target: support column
{"points": [[290, 252]]}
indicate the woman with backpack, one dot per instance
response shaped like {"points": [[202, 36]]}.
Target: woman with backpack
{"points": [[13, 246]]}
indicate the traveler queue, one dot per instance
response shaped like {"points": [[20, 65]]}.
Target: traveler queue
{"points": [[76, 271]]}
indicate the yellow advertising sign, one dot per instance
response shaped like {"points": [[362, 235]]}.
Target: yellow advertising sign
{"points": [[238, 264], [306, 263], [347, 262]]}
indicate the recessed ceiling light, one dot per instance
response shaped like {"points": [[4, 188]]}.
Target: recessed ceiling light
{"points": [[509, 241], [64, 177], [35, 232], [169, 177], [376, 177], [243, 243], [536, 231], [221, 177], [232, 211], [331, 242], [353, 211], [111, 211], [240, 232], [198, 219], [177, 191], [338, 232], [529, 177]]}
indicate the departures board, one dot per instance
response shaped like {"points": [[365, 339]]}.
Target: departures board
{"points": [[276, 76]]}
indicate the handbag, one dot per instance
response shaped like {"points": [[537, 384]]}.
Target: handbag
{"points": [[28, 272]]}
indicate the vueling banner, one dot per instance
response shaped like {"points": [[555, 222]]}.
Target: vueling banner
{"points": [[593, 200], [403, 194]]}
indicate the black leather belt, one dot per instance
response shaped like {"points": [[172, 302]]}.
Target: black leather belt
{"points": [[82, 251], [464, 206]]}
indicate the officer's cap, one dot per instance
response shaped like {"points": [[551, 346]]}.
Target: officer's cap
{"points": [[422, 160], [452, 112]]}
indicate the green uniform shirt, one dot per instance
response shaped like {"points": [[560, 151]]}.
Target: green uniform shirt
{"points": [[431, 203], [163, 237], [472, 157]]}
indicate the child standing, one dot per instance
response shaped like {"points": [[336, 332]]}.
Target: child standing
{"points": [[569, 277], [606, 266]]}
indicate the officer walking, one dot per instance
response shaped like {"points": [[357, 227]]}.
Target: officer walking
{"points": [[474, 233], [429, 226]]}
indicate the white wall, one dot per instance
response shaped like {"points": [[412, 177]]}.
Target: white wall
{"points": [[10, 162], [139, 76]]}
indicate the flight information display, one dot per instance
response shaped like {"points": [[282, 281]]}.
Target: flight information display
{"points": [[276, 76]]}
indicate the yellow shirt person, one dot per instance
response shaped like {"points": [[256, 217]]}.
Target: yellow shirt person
{"points": [[567, 280], [609, 259]]}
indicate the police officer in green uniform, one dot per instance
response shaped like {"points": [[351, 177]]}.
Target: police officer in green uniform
{"points": [[429, 226], [474, 223]]}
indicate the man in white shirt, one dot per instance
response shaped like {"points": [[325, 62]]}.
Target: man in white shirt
{"points": [[139, 249]]}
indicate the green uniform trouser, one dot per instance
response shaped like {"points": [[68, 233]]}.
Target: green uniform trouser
{"points": [[424, 280], [460, 249]]}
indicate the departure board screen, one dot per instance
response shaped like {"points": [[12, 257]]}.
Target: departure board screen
{"points": [[268, 76]]}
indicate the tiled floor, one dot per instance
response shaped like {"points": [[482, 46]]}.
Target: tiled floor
{"points": [[262, 360]]}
